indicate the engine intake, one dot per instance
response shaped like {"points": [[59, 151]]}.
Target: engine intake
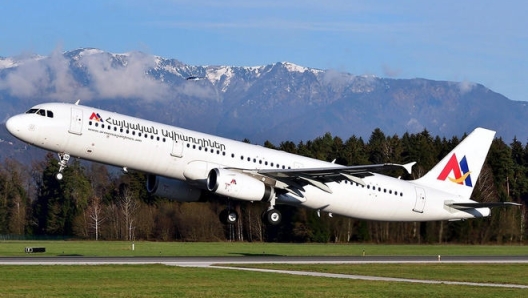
{"points": [[173, 189], [239, 186]]}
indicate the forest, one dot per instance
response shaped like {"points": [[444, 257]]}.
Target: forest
{"points": [[98, 202]]}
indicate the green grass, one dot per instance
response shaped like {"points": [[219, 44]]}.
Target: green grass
{"points": [[479, 273], [167, 281], [121, 248]]}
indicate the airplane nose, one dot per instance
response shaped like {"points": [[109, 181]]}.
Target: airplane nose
{"points": [[13, 125], [9, 125]]}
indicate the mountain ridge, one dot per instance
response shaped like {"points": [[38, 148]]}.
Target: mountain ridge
{"points": [[275, 102]]}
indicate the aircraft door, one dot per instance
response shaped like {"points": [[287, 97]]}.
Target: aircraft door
{"points": [[420, 200], [76, 121], [177, 148]]}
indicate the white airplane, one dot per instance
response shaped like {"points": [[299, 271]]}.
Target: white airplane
{"points": [[188, 166]]}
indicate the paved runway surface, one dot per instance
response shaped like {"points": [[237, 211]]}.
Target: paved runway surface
{"points": [[219, 261], [264, 259]]}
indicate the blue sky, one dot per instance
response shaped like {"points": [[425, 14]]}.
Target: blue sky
{"points": [[476, 41]]}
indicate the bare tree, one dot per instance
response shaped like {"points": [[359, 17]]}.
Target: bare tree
{"points": [[128, 207], [95, 213]]}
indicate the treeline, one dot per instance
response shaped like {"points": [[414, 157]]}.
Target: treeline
{"points": [[93, 203]]}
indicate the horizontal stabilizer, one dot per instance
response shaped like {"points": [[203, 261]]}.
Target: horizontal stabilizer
{"points": [[471, 205]]}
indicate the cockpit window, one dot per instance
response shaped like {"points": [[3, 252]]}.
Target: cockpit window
{"points": [[40, 112]]}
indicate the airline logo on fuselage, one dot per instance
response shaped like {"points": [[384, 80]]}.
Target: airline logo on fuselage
{"points": [[139, 127], [460, 171], [96, 117]]}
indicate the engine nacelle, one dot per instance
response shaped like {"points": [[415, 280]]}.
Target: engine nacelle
{"points": [[239, 186], [173, 189]]}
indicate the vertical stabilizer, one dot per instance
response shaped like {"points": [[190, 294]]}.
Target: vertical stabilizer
{"points": [[458, 171]]}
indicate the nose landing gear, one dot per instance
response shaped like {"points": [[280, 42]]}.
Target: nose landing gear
{"points": [[63, 163]]}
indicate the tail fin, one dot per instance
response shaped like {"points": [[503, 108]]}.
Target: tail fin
{"points": [[458, 171]]}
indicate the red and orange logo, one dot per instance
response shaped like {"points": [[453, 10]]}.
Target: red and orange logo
{"points": [[96, 117], [460, 171]]}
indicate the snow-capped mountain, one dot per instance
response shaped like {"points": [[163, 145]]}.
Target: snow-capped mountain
{"points": [[276, 102]]}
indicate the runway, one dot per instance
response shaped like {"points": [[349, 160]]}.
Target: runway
{"points": [[222, 262], [252, 259]]}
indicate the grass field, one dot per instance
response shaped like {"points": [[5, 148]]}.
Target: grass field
{"points": [[121, 248], [168, 281]]}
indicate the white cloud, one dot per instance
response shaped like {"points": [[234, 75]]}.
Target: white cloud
{"points": [[128, 81], [465, 86], [51, 78], [44, 78]]}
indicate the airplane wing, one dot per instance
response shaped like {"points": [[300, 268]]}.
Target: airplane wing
{"points": [[295, 179]]}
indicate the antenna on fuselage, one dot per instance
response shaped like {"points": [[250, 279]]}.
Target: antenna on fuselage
{"points": [[77, 102]]}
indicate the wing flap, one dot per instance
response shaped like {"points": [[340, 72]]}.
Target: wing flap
{"points": [[319, 177]]}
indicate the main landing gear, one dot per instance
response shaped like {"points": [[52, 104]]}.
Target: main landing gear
{"points": [[228, 216], [63, 163], [271, 216]]}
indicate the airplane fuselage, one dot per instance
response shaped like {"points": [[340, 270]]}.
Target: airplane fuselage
{"points": [[177, 153]]}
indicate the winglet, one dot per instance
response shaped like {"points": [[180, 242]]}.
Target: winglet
{"points": [[408, 166]]}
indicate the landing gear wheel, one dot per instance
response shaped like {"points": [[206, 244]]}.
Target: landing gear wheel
{"points": [[63, 163], [228, 216], [273, 217]]}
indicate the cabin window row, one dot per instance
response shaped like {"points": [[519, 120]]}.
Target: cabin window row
{"points": [[390, 191], [378, 188], [127, 131], [249, 159], [205, 149]]}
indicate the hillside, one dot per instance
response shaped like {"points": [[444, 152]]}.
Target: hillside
{"points": [[277, 102]]}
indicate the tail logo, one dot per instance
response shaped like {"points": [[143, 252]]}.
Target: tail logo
{"points": [[460, 171], [96, 117]]}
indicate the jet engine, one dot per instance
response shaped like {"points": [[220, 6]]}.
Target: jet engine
{"points": [[173, 189], [239, 186]]}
